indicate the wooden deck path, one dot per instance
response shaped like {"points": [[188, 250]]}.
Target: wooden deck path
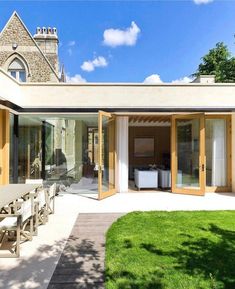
{"points": [[81, 265]]}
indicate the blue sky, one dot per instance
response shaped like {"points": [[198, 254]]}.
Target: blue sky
{"points": [[142, 38]]}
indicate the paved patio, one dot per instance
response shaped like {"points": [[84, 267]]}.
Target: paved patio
{"points": [[155, 200], [39, 258]]}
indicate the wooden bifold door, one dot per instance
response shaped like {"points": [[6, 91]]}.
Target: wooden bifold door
{"points": [[107, 155], [188, 154]]}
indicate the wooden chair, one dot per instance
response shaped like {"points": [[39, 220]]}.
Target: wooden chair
{"points": [[11, 223], [41, 200], [18, 225], [51, 199]]}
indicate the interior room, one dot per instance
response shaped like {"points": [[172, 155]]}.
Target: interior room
{"points": [[149, 152]]}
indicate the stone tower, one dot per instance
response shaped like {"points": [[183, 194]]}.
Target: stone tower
{"points": [[47, 40]]}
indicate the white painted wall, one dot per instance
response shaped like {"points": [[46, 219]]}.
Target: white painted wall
{"points": [[125, 96], [122, 95], [122, 154], [9, 88]]}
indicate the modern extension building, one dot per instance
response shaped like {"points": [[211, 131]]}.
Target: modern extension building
{"points": [[105, 138]]}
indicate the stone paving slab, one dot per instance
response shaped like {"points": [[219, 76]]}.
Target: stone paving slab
{"points": [[81, 265]]}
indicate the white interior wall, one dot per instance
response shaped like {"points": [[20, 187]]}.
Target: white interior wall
{"points": [[122, 163]]}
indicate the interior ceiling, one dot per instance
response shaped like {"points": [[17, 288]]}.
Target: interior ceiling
{"points": [[35, 119], [145, 119]]}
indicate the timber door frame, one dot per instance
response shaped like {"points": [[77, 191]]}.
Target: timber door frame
{"points": [[111, 151], [4, 146], [174, 158]]}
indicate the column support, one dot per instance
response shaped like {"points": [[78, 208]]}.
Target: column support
{"points": [[122, 151]]}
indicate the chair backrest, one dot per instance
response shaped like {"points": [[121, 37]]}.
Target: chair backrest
{"points": [[52, 190], [41, 198], [34, 181], [26, 209]]}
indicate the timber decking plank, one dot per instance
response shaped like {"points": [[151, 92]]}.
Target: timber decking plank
{"points": [[81, 265]]}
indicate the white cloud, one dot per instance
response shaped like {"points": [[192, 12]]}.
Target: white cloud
{"points": [[184, 79], [77, 78], [87, 66], [118, 37], [90, 65], [70, 51], [72, 43], [198, 2], [153, 79], [100, 61], [156, 78]]}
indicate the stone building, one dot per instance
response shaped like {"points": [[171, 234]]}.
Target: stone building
{"points": [[29, 58]]}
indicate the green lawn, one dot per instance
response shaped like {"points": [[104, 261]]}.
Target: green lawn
{"points": [[171, 250]]}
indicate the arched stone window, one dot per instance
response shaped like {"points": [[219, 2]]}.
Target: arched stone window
{"points": [[17, 70]]}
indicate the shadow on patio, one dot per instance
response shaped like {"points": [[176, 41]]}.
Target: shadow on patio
{"points": [[78, 267]]}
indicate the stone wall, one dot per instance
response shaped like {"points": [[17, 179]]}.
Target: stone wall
{"points": [[53, 59], [15, 32], [39, 68]]}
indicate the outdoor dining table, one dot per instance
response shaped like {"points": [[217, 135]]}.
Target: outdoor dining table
{"points": [[10, 193]]}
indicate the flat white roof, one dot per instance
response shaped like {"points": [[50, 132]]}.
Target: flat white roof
{"points": [[117, 95]]}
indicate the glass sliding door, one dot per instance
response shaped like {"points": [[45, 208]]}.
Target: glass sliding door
{"points": [[30, 140], [218, 151], [107, 155], [61, 149], [188, 154]]}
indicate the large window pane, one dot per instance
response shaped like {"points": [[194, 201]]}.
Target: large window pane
{"points": [[108, 161], [66, 144], [30, 152], [188, 139], [216, 154]]}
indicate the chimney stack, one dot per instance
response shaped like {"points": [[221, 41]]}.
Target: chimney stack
{"points": [[205, 79], [48, 41]]}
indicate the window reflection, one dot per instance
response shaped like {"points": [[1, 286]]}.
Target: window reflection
{"points": [[64, 149], [188, 139]]}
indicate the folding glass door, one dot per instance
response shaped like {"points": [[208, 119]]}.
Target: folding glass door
{"points": [[107, 155], [188, 154]]}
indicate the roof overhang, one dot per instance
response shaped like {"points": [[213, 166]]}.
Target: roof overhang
{"points": [[115, 97]]}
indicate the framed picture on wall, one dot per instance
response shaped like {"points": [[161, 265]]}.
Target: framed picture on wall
{"points": [[144, 147]]}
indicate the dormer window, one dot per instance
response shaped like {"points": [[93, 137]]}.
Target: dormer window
{"points": [[17, 70]]}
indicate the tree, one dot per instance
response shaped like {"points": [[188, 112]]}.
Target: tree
{"points": [[219, 62]]}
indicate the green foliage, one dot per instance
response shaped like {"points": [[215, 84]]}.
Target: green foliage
{"points": [[169, 250], [218, 62]]}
